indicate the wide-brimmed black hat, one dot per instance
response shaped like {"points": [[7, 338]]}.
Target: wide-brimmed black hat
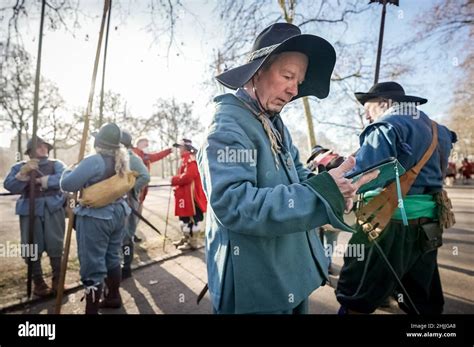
{"points": [[39, 141], [388, 90], [283, 37], [316, 151], [187, 144], [108, 137]]}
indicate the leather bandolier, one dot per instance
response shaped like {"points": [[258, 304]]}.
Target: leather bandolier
{"points": [[376, 214]]}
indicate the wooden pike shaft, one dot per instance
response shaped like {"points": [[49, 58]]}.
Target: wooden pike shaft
{"points": [[82, 150], [33, 175]]}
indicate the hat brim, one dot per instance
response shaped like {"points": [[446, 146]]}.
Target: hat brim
{"points": [[313, 155], [321, 60], [50, 147], [189, 148], [364, 97]]}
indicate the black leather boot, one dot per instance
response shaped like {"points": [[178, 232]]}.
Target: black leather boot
{"points": [[56, 270], [92, 295], [112, 298], [40, 288]]}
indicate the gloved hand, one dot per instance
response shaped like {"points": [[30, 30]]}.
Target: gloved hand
{"points": [[29, 166]]}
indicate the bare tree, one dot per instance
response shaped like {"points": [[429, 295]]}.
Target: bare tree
{"points": [[447, 23], [52, 122], [175, 121], [462, 106], [462, 111], [171, 119], [245, 19], [14, 14], [163, 17], [16, 98], [353, 70], [117, 111]]}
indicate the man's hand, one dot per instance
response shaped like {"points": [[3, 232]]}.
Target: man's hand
{"points": [[347, 188], [29, 166]]}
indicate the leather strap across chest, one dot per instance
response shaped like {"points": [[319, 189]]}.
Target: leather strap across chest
{"points": [[376, 214]]}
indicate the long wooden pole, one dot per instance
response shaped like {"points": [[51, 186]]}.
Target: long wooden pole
{"points": [[82, 150], [101, 105], [167, 216], [32, 217]]}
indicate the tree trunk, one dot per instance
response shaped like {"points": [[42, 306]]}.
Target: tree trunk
{"points": [[288, 9], [309, 122], [19, 156], [55, 130], [162, 161], [162, 169]]}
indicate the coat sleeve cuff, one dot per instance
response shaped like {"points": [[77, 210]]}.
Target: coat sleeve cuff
{"points": [[325, 185], [44, 181]]}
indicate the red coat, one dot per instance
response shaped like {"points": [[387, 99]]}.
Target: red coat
{"points": [[466, 169], [188, 188], [149, 158]]}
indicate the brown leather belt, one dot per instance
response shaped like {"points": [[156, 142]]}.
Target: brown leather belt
{"points": [[417, 221]]}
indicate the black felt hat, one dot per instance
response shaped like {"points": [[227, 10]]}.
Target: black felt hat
{"points": [[388, 90], [284, 37]]}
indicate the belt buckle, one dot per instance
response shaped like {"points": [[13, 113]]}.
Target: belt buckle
{"points": [[367, 227], [372, 232]]}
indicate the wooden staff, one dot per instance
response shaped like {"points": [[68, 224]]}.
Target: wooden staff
{"points": [[32, 154], [82, 150], [167, 216]]}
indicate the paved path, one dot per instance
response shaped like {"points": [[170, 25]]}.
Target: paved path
{"points": [[172, 285]]}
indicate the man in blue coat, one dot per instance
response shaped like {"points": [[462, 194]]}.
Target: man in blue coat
{"points": [[263, 255], [399, 129], [100, 231], [49, 210]]}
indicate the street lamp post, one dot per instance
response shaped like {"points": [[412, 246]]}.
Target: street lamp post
{"points": [[382, 24]]}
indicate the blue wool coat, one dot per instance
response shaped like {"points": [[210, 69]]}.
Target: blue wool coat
{"points": [[261, 250], [53, 202], [89, 171], [407, 137]]}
